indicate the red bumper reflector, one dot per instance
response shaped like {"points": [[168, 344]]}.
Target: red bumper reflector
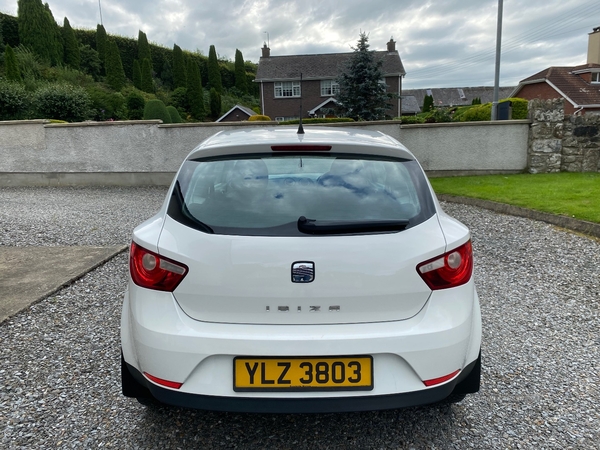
{"points": [[167, 383], [441, 380]]}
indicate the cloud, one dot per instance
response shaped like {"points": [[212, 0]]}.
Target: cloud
{"points": [[448, 43]]}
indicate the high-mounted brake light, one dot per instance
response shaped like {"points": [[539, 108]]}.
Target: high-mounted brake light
{"points": [[300, 148], [451, 269], [152, 271]]}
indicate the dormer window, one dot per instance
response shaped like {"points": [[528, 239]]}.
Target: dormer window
{"points": [[595, 77]]}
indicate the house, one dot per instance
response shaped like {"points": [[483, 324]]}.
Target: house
{"points": [[305, 84], [236, 114], [448, 97], [579, 86]]}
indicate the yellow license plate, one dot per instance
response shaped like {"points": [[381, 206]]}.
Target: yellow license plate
{"points": [[297, 373]]}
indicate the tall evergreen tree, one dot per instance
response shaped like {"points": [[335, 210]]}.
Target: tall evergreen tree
{"points": [[215, 104], [57, 48], [137, 74], [240, 73], [194, 91], [428, 103], [166, 75], [214, 73], [143, 48], [38, 30], [179, 68], [11, 65], [72, 54], [362, 95], [101, 42], [147, 84], [115, 76]]}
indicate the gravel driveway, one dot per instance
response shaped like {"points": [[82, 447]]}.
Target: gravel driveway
{"points": [[59, 360]]}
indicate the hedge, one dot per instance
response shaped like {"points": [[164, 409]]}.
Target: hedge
{"points": [[63, 102], [156, 109]]}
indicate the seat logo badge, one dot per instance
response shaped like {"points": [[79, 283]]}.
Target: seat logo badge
{"points": [[303, 272]]}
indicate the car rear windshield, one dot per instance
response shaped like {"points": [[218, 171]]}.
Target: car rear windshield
{"points": [[291, 195]]}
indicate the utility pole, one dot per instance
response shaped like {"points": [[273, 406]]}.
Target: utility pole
{"points": [[498, 51], [100, 8]]}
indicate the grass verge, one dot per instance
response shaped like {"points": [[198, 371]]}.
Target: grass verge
{"points": [[568, 194]]}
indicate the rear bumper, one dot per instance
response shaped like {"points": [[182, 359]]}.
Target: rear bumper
{"points": [[304, 405], [158, 338]]}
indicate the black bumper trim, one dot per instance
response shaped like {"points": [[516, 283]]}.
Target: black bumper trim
{"points": [[301, 405]]}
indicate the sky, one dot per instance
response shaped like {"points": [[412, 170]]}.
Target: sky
{"points": [[442, 43]]}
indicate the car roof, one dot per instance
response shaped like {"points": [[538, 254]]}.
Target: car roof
{"points": [[260, 140]]}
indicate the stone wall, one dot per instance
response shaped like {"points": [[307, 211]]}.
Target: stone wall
{"points": [[562, 143]]}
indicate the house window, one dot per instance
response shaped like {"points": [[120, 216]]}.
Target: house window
{"points": [[287, 89], [596, 77], [329, 87]]}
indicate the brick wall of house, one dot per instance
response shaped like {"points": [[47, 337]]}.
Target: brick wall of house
{"points": [[311, 97], [543, 91]]}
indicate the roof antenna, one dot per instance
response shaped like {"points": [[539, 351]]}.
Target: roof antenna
{"points": [[300, 127]]}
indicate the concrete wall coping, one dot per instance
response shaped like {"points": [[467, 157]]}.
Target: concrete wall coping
{"points": [[24, 122], [103, 124], [467, 124]]}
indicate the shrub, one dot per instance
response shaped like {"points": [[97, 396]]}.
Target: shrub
{"points": [[179, 98], [156, 109], [14, 101], [106, 104], [319, 120], [439, 115], [174, 114], [412, 119], [63, 102], [477, 113], [259, 118], [519, 107], [90, 61], [135, 105]]}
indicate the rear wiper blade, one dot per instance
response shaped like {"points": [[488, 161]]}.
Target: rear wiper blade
{"points": [[314, 226]]}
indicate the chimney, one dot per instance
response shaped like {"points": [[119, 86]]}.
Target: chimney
{"points": [[266, 51], [593, 56], [391, 46]]}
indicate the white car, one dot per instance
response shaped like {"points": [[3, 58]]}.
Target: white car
{"points": [[300, 272]]}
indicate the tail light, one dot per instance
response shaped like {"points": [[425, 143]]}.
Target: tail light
{"points": [[448, 270], [153, 271]]}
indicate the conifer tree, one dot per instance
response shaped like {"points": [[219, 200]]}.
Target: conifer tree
{"points": [[428, 103], [71, 46], [115, 76], [194, 91], [166, 75], [101, 42], [215, 104], [179, 68], [214, 73], [56, 44], [143, 48], [38, 31], [11, 65], [240, 73], [147, 84], [362, 95], [137, 74]]}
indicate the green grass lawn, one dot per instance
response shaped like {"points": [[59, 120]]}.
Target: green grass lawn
{"points": [[568, 194]]}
